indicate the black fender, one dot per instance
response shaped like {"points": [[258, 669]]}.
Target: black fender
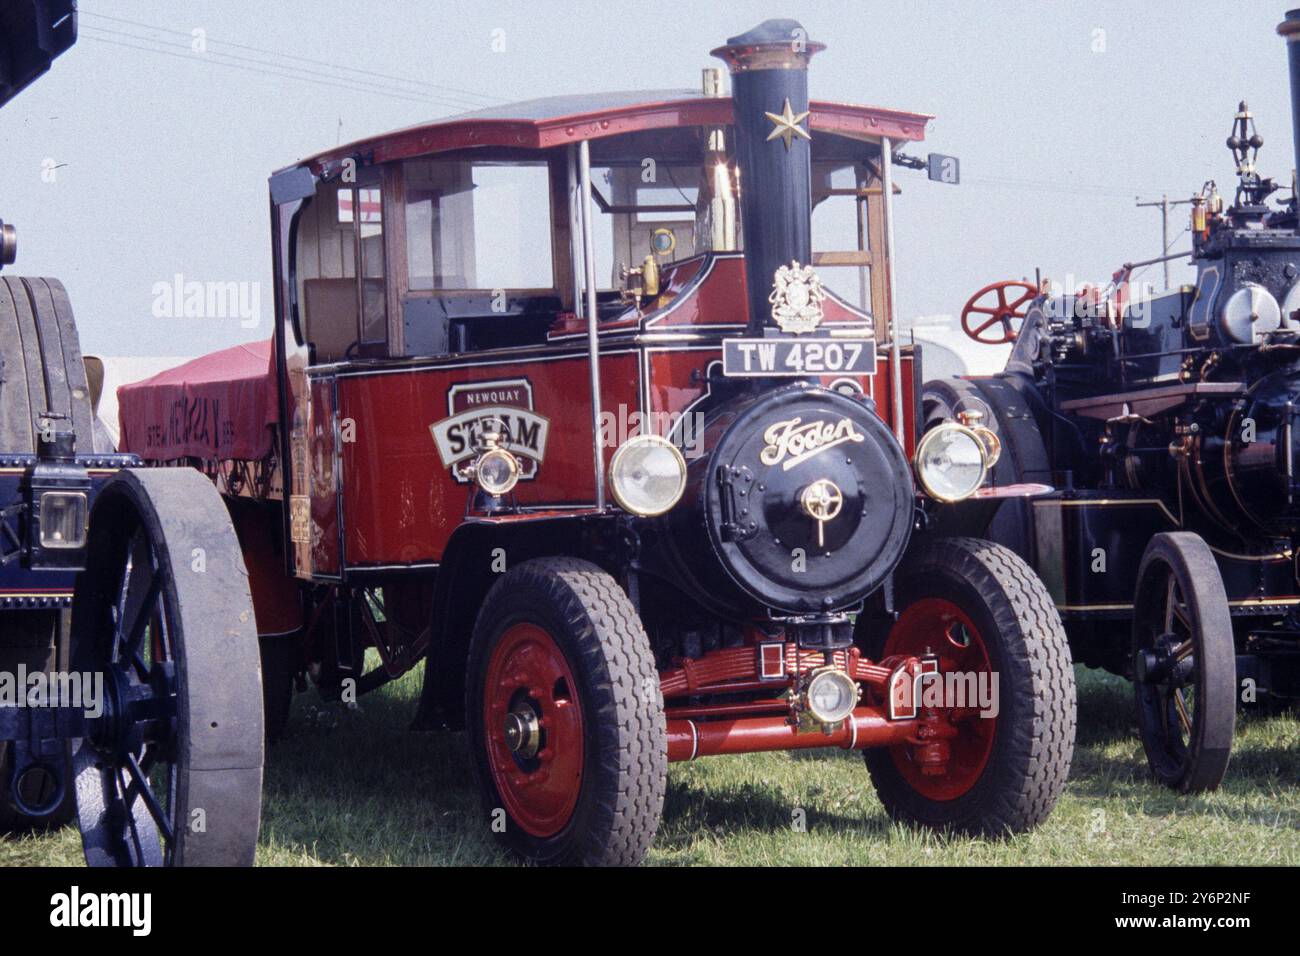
{"points": [[478, 551], [1014, 410]]}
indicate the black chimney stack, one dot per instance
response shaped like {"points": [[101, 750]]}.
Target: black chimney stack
{"points": [[1290, 28], [769, 90]]}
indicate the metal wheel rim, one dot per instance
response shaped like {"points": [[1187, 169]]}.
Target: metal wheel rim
{"points": [[171, 772], [133, 769], [526, 670], [1167, 709], [928, 626]]}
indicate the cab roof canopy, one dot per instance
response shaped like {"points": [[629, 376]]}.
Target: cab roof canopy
{"points": [[559, 120]]}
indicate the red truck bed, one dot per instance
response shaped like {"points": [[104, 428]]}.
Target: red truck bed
{"points": [[215, 407]]}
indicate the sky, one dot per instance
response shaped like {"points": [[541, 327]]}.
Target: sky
{"points": [[138, 158]]}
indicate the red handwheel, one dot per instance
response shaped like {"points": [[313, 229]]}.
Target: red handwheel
{"points": [[991, 324]]}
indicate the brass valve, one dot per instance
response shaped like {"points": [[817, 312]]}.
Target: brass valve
{"points": [[641, 282]]}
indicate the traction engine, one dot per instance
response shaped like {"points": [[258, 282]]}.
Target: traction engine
{"points": [[129, 697], [1168, 422]]}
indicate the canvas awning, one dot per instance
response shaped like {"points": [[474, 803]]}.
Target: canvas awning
{"points": [[215, 407]]}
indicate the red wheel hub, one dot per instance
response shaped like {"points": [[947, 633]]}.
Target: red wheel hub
{"points": [[532, 721], [989, 323], [937, 626]]}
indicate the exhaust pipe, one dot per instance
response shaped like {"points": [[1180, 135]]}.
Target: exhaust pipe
{"points": [[866, 727], [1290, 28], [769, 90]]}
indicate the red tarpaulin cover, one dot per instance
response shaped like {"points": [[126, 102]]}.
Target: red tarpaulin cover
{"points": [[215, 407]]}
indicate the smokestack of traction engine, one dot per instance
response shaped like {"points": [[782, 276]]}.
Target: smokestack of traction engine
{"points": [[1290, 28], [769, 89]]}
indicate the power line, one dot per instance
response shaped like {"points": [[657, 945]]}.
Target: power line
{"points": [[1168, 246], [297, 71], [268, 70], [303, 59], [1032, 185], [190, 57], [1164, 204]]}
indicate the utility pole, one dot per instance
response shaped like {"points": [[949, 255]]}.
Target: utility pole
{"points": [[1164, 203]]}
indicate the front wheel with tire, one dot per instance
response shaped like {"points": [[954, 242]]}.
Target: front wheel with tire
{"points": [[170, 774], [565, 716], [1184, 663], [986, 617]]}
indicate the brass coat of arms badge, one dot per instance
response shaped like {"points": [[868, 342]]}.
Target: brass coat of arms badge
{"points": [[796, 298]]}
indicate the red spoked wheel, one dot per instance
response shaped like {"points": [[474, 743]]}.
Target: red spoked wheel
{"points": [[938, 626], [990, 323], [565, 716], [984, 614], [536, 754]]}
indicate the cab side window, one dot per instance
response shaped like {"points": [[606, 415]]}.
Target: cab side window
{"points": [[341, 271], [847, 229]]}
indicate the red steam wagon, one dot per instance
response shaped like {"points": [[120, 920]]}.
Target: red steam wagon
{"points": [[626, 514]]}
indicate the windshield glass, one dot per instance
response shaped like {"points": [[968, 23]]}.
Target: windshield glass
{"points": [[631, 201], [478, 225]]}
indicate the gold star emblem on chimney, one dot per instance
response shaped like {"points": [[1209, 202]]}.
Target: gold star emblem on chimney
{"points": [[786, 125]]}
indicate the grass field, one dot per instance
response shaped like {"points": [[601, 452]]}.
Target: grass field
{"points": [[355, 788]]}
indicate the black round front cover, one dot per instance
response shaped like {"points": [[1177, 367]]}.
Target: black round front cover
{"points": [[775, 448]]}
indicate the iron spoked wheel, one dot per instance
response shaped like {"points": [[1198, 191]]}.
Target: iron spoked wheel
{"points": [[980, 609], [1184, 663], [565, 716], [171, 775]]}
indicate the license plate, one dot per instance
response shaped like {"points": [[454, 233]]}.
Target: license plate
{"points": [[743, 358]]}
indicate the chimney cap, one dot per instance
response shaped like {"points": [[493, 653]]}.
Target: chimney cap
{"points": [[771, 31], [778, 44]]}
